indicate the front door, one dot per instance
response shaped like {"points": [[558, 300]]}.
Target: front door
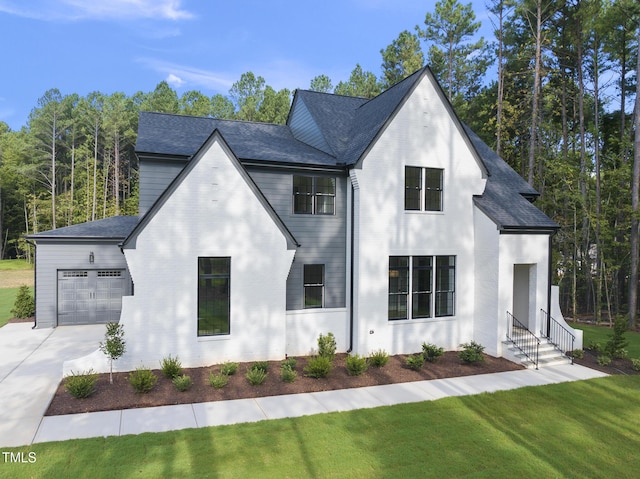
{"points": [[522, 293]]}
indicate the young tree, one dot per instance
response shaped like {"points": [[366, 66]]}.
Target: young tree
{"points": [[114, 345], [400, 59]]}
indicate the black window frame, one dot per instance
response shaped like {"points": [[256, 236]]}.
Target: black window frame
{"points": [[423, 189], [421, 287], [318, 193], [313, 281], [212, 273]]}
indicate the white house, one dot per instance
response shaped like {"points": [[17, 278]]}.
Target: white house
{"points": [[385, 221]]}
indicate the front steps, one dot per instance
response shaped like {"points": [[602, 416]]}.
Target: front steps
{"points": [[548, 355]]}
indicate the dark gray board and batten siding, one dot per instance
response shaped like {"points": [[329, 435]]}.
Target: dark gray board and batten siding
{"points": [[155, 177], [322, 238]]}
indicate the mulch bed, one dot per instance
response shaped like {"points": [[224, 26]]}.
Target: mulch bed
{"points": [[120, 394], [617, 366]]}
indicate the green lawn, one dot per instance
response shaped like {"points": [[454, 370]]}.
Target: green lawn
{"points": [[14, 264], [7, 299], [601, 334], [586, 429], [13, 273]]}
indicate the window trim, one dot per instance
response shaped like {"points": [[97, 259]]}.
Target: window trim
{"points": [[314, 195], [423, 190], [306, 285], [226, 275], [435, 292]]}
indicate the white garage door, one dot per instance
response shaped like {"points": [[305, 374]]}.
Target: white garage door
{"points": [[90, 296]]}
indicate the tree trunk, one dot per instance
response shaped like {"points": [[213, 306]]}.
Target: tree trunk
{"points": [[635, 186], [536, 93]]}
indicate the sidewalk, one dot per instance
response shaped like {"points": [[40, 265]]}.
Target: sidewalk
{"points": [[170, 418]]}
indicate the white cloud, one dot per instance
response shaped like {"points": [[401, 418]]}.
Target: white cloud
{"points": [[97, 9], [174, 80], [189, 76]]}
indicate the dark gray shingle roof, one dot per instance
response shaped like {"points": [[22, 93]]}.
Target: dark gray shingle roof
{"points": [[115, 228], [349, 126], [181, 135], [504, 199]]}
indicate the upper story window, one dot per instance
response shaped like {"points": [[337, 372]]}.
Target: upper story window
{"points": [[423, 188], [314, 195]]}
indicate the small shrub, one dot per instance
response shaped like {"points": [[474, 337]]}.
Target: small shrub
{"points": [[182, 383], [415, 361], [256, 376], [356, 364], [327, 346], [287, 374], [577, 353], [604, 360], [228, 368], [291, 362], [318, 367], [595, 346], [472, 352], [431, 352], [81, 385], [171, 367], [379, 358], [617, 343], [143, 380], [24, 306], [635, 364], [219, 380], [261, 365]]}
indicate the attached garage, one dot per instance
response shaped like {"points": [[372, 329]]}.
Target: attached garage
{"points": [[90, 296], [81, 274]]}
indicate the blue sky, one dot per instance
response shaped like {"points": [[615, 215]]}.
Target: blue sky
{"points": [[80, 46]]}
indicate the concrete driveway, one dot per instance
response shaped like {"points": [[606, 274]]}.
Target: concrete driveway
{"points": [[30, 371]]}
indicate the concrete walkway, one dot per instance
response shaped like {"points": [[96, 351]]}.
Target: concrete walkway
{"points": [[31, 369]]}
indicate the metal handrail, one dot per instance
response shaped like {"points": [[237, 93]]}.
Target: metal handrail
{"points": [[559, 336], [523, 339]]}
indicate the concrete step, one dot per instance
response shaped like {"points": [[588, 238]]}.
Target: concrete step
{"points": [[548, 355]]}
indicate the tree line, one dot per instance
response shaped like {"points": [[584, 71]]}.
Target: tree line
{"points": [[559, 104]]}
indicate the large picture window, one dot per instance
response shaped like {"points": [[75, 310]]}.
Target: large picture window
{"points": [[314, 195], [213, 296], [313, 285], [416, 274], [423, 189]]}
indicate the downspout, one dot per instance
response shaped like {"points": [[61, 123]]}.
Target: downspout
{"points": [[35, 282], [351, 275]]}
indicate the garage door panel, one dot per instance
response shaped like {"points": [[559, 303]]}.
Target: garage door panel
{"points": [[93, 296]]}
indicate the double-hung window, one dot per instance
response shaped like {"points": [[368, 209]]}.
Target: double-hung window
{"points": [[313, 285], [423, 188], [214, 276], [411, 286], [314, 195]]}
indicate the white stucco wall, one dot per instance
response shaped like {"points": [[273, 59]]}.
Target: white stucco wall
{"points": [[522, 249], [421, 134], [212, 212], [486, 312], [305, 325]]}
